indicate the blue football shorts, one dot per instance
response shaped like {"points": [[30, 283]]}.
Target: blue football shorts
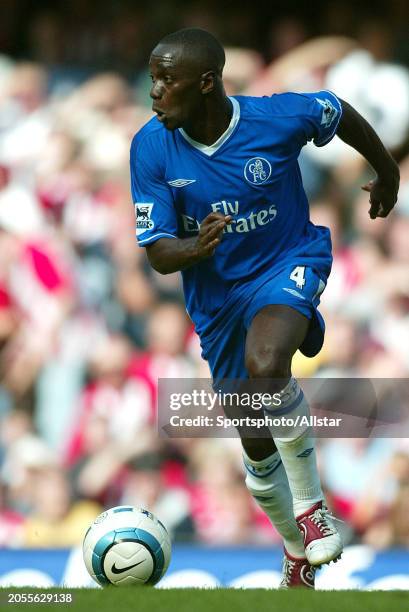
{"points": [[299, 287]]}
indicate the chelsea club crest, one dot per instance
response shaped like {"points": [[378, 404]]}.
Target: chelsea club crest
{"points": [[257, 170]]}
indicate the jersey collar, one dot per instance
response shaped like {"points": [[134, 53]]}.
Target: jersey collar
{"points": [[211, 149]]}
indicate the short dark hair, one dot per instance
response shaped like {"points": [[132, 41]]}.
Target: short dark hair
{"points": [[200, 46]]}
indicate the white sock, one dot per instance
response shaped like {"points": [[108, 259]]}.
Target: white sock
{"points": [[267, 482], [297, 449]]}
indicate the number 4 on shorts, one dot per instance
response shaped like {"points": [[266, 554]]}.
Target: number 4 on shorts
{"points": [[297, 275]]}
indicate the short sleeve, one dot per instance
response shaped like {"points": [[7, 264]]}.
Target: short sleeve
{"points": [[320, 113], [155, 215]]}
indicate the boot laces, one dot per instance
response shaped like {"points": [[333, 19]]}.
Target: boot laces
{"points": [[322, 518], [288, 567]]}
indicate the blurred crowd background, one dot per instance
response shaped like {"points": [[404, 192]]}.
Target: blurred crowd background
{"points": [[87, 327]]}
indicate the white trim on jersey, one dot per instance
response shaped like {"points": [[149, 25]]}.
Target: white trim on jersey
{"points": [[211, 149], [156, 236]]}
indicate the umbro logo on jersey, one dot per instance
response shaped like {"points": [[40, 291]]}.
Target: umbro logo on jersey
{"points": [[181, 182]]}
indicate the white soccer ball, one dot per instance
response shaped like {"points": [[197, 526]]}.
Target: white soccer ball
{"points": [[126, 545]]}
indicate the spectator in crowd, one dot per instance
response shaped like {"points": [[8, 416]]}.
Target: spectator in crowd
{"points": [[11, 523], [55, 522], [384, 523], [144, 486]]}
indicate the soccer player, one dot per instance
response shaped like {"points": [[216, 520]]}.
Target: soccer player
{"points": [[218, 195]]}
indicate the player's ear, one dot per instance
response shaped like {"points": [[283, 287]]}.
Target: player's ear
{"points": [[207, 82]]}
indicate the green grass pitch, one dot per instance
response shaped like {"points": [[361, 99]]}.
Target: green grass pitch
{"points": [[147, 599]]}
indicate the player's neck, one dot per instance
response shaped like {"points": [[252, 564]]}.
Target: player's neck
{"points": [[212, 123]]}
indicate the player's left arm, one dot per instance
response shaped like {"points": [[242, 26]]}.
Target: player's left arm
{"points": [[356, 131]]}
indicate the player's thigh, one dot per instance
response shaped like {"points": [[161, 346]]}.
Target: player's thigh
{"points": [[275, 333]]}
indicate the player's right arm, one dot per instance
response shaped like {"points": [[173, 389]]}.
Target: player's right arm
{"points": [[156, 219], [318, 116], [356, 132], [168, 255]]}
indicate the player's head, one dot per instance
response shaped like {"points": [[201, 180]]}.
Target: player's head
{"points": [[186, 66]]}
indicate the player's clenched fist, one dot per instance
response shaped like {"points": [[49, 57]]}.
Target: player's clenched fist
{"points": [[210, 233]]}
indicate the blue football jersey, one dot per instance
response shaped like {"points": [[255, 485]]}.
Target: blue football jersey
{"points": [[250, 173]]}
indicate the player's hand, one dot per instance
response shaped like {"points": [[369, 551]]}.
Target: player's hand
{"points": [[383, 195], [210, 233]]}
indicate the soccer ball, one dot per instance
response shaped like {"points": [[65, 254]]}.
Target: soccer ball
{"points": [[126, 545]]}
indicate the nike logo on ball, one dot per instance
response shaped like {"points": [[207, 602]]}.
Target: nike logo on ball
{"points": [[119, 570]]}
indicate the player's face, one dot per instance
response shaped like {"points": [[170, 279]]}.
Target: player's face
{"points": [[175, 89]]}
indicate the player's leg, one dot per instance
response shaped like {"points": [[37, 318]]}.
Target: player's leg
{"points": [[266, 478], [275, 333], [267, 481]]}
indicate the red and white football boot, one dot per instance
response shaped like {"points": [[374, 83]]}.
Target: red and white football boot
{"points": [[322, 542], [297, 573]]}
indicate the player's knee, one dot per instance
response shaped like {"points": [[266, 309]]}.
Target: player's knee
{"points": [[274, 363], [259, 448]]}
